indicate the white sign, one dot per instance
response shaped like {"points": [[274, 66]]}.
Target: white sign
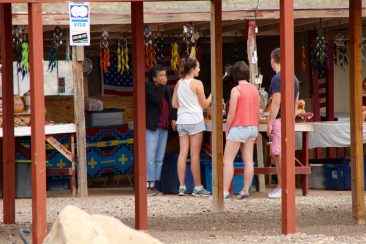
{"points": [[79, 24]]}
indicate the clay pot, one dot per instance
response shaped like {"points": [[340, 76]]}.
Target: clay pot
{"points": [[18, 104]]}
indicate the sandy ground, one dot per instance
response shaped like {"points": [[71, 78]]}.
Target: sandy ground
{"points": [[322, 217]]}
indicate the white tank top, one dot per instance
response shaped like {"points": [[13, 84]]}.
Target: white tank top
{"points": [[189, 110]]}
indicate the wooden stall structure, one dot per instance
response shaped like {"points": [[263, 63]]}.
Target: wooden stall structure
{"points": [[287, 26]]}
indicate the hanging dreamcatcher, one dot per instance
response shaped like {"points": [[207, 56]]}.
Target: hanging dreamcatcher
{"points": [[122, 55], [158, 48], [175, 57], [319, 52], [340, 51], [104, 51], [150, 60], [52, 51], [190, 38], [236, 57], [21, 50]]}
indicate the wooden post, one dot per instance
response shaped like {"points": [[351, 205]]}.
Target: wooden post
{"points": [[139, 119], [355, 74], [287, 116], [38, 143], [216, 89], [8, 114], [78, 78], [252, 51]]}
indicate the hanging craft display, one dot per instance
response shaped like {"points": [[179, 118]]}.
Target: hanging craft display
{"points": [[175, 57], [190, 37], [150, 60], [122, 55], [158, 48], [340, 51], [319, 51], [104, 51], [21, 50], [52, 51]]}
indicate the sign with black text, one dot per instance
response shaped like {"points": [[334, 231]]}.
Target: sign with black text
{"points": [[79, 13]]}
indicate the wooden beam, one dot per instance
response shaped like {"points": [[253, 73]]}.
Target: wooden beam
{"points": [[139, 120], [216, 89], [252, 51], [287, 116], [355, 77], [39, 227], [8, 114], [78, 78]]}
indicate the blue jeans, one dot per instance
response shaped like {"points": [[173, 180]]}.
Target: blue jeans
{"points": [[155, 151]]}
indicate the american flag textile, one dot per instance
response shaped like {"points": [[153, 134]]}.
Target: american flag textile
{"points": [[115, 83]]}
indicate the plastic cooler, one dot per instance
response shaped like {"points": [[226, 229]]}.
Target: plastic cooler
{"points": [[238, 180], [338, 175], [169, 183]]}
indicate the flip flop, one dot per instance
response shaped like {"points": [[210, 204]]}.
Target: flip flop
{"points": [[242, 196]]}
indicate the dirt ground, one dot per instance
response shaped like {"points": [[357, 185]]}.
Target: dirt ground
{"points": [[322, 217]]}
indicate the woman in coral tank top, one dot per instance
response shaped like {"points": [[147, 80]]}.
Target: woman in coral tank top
{"points": [[242, 128]]}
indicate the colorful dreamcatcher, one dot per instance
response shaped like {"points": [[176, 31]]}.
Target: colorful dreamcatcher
{"points": [[104, 51], [150, 60], [52, 51], [158, 48], [122, 55], [319, 52], [21, 50]]}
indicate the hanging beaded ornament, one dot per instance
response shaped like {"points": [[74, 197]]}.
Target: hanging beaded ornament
{"points": [[104, 51], [150, 60], [52, 51]]}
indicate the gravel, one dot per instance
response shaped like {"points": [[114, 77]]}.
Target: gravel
{"points": [[322, 217]]}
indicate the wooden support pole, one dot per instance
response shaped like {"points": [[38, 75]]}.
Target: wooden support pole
{"points": [[139, 119], [216, 89], [287, 116], [78, 77], [8, 114], [355, 74], [252, 51], [38, 143]]}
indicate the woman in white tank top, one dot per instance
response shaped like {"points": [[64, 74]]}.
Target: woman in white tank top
{"points": [[190, 100]]}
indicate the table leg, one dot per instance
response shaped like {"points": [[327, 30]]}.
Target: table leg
{"points": [[262, 184], [305, 161]]}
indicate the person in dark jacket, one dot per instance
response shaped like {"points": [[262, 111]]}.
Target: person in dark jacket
{"points": [[159, 117]]}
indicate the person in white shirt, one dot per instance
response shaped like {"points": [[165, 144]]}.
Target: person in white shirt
{"points": [[190, 100]]}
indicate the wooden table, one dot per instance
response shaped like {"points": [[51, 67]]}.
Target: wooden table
{"points": [[302, 165], [50, 130]]}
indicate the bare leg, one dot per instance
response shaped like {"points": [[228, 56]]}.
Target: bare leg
{"points": [[231, 149], [196, 142], [182, 158], [247, 156]]}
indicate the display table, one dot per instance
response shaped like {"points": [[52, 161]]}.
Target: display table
{"points": [[302, 165], [50, 131]]}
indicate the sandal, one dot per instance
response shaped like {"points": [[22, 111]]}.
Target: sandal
{"points": [[242, 196]]}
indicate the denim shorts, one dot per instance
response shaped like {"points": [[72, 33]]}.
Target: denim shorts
{"points": [[243, 133], [190, 129]]}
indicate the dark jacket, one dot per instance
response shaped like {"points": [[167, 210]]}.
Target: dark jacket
{"points": [[154, 95]]}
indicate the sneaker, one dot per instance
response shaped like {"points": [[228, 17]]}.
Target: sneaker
{"points": [[182, 191], [274, 191], [150, 191], [276, 194], [199, 191], [227, 196], [157, 192]]}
